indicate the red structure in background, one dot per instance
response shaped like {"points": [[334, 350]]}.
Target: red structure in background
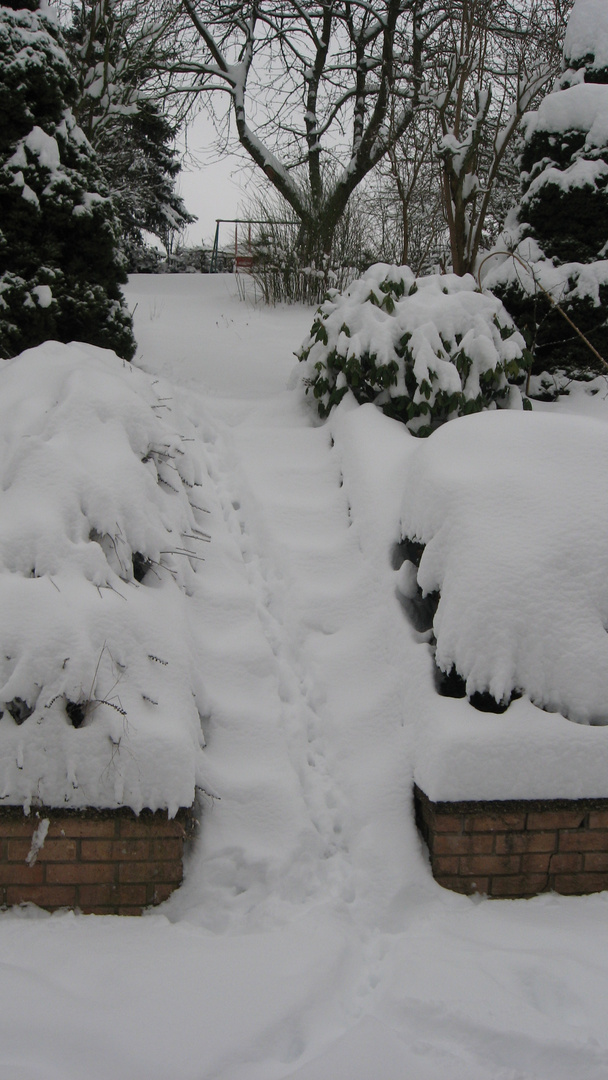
{"points": [[243, 252]]}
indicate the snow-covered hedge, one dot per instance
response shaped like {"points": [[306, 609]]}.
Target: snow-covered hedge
{"points": [[101, 537], [512, 510], [424, 349], [559, 230]]}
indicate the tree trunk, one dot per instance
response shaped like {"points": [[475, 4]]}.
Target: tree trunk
{"points": [[314, 252]]}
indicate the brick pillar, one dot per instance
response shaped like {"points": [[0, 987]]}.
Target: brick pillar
{"points": [[516, 848], [101, 862]]}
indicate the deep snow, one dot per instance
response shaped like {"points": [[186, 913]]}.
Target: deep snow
{"points": [[103, 495], [309, 938], [587, 34], [512, 510]]}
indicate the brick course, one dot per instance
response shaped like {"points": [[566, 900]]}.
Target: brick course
{"points": [[516, 848], [100, 862]]}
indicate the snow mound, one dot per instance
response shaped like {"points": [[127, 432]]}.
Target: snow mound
{"points": [[512, 509], [101, 538]]}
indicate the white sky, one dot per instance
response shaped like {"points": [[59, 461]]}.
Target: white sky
{"points": [[214, 189]]}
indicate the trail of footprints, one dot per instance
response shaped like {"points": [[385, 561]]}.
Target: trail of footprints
{"points": [[250, 467]]}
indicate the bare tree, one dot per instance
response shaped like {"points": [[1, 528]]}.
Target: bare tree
{"points": [[500, 57], [447, 184], [119, 50], [320, 91], [406, 201]]}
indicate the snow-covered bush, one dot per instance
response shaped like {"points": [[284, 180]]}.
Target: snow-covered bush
{"points": [[511, 511], [101, 537], [60, 270], [560, 228], [424, 349]]}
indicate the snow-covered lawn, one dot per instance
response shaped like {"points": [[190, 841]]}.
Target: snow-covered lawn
{"points": [[309, 938]]}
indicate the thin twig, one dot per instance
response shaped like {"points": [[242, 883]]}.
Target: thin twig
{"points": [[90, 697], [188, 554]]}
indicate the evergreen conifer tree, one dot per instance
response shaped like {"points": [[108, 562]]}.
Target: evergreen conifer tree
{"points": [[141, 167], [560, 228], [134, 140], [60, 269]]}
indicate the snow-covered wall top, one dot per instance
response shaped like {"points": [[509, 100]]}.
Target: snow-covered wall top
{"points": [[526, 753], [587, 34], [101, 538]]}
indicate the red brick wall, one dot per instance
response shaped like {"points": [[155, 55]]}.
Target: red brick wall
{"points": [[517, 848], [101, 862]]}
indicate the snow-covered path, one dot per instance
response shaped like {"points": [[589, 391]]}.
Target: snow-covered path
{"points": [[309, 939], [311, 675], [302, 644]]}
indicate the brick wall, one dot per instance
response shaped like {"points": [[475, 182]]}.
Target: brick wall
{"points": [[101, 862], [517, 848]]}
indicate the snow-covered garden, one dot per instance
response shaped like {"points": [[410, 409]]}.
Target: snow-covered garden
{"points": [[309, 938], [287, 583]]}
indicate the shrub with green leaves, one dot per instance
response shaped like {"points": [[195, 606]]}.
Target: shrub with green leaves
{"points": [[424, 349]]}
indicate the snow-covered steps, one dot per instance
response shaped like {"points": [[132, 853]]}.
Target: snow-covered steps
{"points": [[301, 644]]}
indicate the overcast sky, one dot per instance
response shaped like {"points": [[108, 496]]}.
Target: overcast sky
{"points": [[214, 189]]}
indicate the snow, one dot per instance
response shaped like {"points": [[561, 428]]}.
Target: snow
{"points": [[561, 280], [43, 295], [514, 541], [44, 147], [524, 754], [96, 467], [578, 108], [309, 938], [581, 173], [38, 837], [587, 33]]}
